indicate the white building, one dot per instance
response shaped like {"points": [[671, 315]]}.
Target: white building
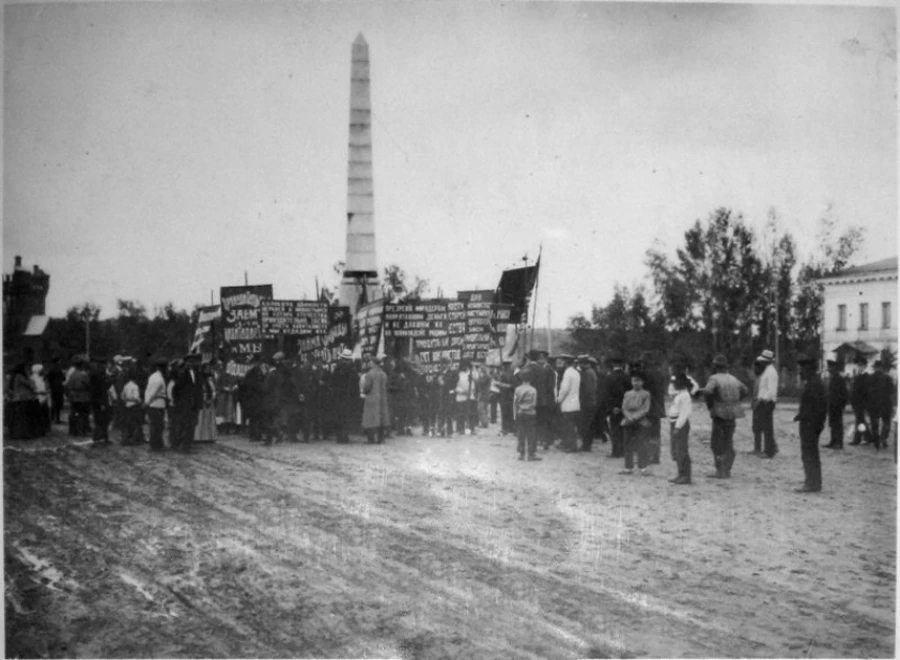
{"points": [[860, 310]]}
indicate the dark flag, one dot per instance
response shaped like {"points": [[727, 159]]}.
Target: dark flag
{"points": [[515, 290]]}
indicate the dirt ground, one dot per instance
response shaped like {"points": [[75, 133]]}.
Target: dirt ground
{"points": [[444, 548]]}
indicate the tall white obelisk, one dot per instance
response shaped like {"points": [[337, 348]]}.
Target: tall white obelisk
{"points": [[360, 280]]}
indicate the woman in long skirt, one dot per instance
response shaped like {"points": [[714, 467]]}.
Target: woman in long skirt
{"points": [[24, 423], [205, 431]]}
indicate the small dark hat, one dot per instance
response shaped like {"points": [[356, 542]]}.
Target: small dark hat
{"points": [[615, 358], [637, 373], [720, 361], [534, 354]]}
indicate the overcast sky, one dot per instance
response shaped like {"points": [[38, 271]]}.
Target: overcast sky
{"points": [[157, 151]]}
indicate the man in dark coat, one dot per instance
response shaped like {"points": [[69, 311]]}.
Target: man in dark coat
{"points": [[545, 384], [100, 382], [880, 405], [345, 394], [617, 384], [187, 395], [587, 399], [812, 415], [447, 380], [600, 425], [286, 421], [250, 395], [310, 387], [859, 393], [837, 400]]}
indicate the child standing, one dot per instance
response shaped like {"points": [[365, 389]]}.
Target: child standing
{"points": [[635, 408], [680, 417], [525, 409]]}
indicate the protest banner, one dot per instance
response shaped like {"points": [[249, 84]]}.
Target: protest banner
{"points": [[367, 327], [241, 325], [327, 346], [294, 318]]}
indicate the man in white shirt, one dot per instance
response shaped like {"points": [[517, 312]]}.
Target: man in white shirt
{"points": [[764, 410], [155, 398], [567, 398]]}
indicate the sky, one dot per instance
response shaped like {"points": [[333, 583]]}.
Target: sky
{"points": [[157, 151]]}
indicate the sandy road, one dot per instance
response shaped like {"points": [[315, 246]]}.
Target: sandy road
{"points": [[436, 548]]}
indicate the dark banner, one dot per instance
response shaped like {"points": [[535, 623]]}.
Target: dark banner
{"points": [[295, 318], [242, 325], [367, 327], [328, 346], [515, 290]]}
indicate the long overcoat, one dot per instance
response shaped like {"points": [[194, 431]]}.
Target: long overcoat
{"points": [[375, 406]]}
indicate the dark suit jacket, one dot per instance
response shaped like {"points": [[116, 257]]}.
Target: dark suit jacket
{"points": [[188, 392]]}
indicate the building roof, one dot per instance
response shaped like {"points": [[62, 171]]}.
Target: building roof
{"points": [[884, 265], [36, 326], [856, 346]]}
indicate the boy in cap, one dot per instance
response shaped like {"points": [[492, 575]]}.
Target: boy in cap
{"points": [[680, 418], [525, 410]]}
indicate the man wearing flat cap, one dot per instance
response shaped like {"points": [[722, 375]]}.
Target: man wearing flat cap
{"points": [[764, 408], [837, 401], [723, 398], [812, 414], [187, 402]]}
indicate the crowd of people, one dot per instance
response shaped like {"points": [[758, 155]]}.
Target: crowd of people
{"points": [[563, 401]]}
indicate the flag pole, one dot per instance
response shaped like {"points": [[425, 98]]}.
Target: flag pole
{"points": [[537, 281]]}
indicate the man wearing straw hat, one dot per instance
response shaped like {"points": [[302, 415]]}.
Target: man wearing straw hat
{"points": [[764, 410]]}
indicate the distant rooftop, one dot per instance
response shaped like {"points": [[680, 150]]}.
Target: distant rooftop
{"points": [[889, 264]]}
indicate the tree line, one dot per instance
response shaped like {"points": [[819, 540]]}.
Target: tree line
{"points": [[727, 289]]}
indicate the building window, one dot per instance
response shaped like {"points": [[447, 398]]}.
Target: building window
{"points": [[885, 316], [863, 316], [842, 317]]}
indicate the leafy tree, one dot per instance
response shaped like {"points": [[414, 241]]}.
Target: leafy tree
{"points": [[834, 250], [715, 286], [625, 325]]}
